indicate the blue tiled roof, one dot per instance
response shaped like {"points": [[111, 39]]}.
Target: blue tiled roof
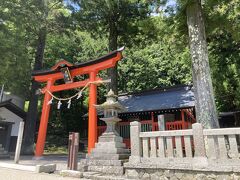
{"points": [[171, 98]]}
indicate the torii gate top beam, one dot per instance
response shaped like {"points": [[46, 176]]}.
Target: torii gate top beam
{"points": [[96, 65]]}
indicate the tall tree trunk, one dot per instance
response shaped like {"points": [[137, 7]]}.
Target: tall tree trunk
{"points": [[112, 72], [30, 126], [206, 112]]}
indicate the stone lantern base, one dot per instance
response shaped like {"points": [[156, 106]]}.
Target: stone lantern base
{"points": [[108, 155]]}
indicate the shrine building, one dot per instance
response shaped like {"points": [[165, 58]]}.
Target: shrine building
{"points": [[174, 105]]}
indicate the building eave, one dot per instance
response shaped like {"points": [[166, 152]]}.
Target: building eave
{"points": [[13, 108]]}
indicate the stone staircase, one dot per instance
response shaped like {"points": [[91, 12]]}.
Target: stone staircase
{"points": [[3, 154]]}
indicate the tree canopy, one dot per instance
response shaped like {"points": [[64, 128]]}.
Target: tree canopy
{"points": [[154, 33]]}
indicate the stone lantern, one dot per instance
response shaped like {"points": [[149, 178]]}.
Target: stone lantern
{"points": [[110, 109], [110, 152]]}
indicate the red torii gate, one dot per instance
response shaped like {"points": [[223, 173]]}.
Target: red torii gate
{"points": [[50, 76]]}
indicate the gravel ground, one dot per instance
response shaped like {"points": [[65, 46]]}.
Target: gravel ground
{"points": [[59, 160], [10, 174]]}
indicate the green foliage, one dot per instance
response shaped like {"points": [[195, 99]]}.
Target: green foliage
{"points": [[153, 67], [15, 71], [224, 58], [20, 23], [74, 46], [224, 49], [104, 16], [223, 15]]}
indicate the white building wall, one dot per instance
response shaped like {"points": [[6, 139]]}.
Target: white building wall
{"points": [[8, 115], [11, 117]]}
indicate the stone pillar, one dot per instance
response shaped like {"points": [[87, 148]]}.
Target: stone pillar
{"points": [[161, 122], [135, 129], [198, 138], [19, 142]]}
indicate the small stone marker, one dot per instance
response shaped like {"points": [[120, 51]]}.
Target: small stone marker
{"points": [[73, 144], [46, 168], [71, 173]]}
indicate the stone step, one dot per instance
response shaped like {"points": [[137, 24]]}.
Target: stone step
{"points": [[3, 152], [108, 156], [113, 170], [99, 162], [111, 150], [110, 145], [101, 176], [4, 156], [110, 139]]}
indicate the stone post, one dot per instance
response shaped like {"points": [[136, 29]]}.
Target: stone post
{"points": [[161, 122], [135, 129], [198, 139], [73, 144], [19, 142]]}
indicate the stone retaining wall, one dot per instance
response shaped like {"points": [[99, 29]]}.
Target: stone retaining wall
{"points": [[163, 174]]}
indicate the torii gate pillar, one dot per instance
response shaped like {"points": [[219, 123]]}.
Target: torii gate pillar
{"points": [[92, 117], [43, 122]]}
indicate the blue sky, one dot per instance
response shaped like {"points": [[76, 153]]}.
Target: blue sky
{"points": [[169, 3]]}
